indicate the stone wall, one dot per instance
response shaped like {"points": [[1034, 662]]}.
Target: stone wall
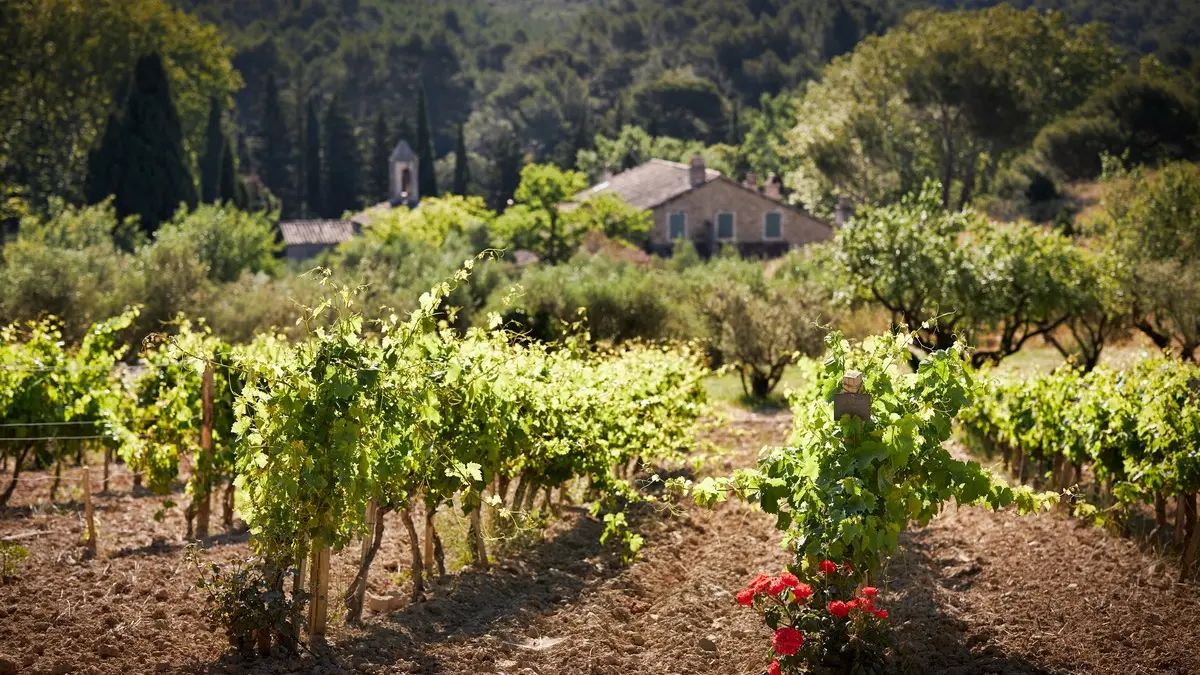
{"points": [[702, 205]]}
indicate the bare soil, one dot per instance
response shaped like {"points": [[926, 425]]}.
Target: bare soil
{"points": [[973, 592]]}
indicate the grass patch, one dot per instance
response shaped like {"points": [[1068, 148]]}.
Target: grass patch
{"points": [[727, 388]]}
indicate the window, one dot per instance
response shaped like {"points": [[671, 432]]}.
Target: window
{"points": [[724, 225], [676, 225], [773, 225]]}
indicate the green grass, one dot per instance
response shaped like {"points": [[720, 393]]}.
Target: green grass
{"points": [[727, 388], [1043, 358]]}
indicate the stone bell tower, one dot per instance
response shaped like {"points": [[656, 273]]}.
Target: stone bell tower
{"points": [[402, 176]]}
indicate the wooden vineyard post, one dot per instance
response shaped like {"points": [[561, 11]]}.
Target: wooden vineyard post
{"points": [[318, 604], [89, 515], [203, 491]]}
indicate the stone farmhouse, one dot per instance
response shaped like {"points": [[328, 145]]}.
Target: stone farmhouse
{"points": [[698, 204], [304, 239]]}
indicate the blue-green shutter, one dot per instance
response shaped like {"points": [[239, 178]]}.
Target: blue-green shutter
{"points": [[724, 226], [676, 226], [773, 227]]}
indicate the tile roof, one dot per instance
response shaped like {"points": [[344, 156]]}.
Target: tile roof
{"points": [[403, 152], [650, 184], [324, 232]]}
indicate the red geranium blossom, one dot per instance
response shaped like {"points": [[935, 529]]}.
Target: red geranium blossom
{"points": [[881, 614], [787, 641], [827, 567], [839, 609], [846, 567], [745, 597], [760, 583], [802, 592], [853, 604], [789, 579], [869, 591], [773, 669]]}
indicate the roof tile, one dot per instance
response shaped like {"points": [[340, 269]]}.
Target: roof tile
{"points": [[324, 232]]}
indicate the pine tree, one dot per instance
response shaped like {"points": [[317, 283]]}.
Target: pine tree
{"points": [[229, 176], [462, 170], [275, 161], [210, 163], [381, 153], [151, 165], [312, 161], [426, 169], [342, 163], [103, 163]]}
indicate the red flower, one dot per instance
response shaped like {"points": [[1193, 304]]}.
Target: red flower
{"points": [[776, 586], [867, 604], [802, 592], [760, 583], [869, 591], [745, 597], [773, 669], [827, 567], [852, 605], [881, 614], [787, 641], [839, 609], [846, 567], [789, 579]]}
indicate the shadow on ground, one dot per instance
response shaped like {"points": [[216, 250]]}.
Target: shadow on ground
{"points": [[491, 605], [929, 638]]}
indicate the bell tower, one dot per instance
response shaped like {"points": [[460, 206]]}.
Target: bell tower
{"points": [[402, 176]]}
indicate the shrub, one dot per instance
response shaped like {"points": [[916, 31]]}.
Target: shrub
{"points": [[227, 241], [761, 328], [622, 301], [64, 264], [247, 599], [823, 625], [12, 555]]}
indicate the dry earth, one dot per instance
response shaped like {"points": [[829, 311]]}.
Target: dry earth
{"points": [[974, 592]]}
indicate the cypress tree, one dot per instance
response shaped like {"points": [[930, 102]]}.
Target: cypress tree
{"points": [[152, 169], [312, 161], [276, 158], [426, 170], [380, 159], [210, 163], [583, 138], [506, 170], [227, 191], [342, 163], [103, 163], [462, 170]]}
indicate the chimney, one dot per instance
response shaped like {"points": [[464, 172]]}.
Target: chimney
{"points": [[844, 211], [697, 174], [771, 189], [751, 181]]}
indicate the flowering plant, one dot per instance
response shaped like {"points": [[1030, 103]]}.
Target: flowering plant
{"points": [[825, 624]]}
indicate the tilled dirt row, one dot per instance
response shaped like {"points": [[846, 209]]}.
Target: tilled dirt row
{"points": [[974, 592]]}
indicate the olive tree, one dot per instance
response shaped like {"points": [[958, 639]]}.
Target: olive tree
{"points": [[1150, 223]]}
